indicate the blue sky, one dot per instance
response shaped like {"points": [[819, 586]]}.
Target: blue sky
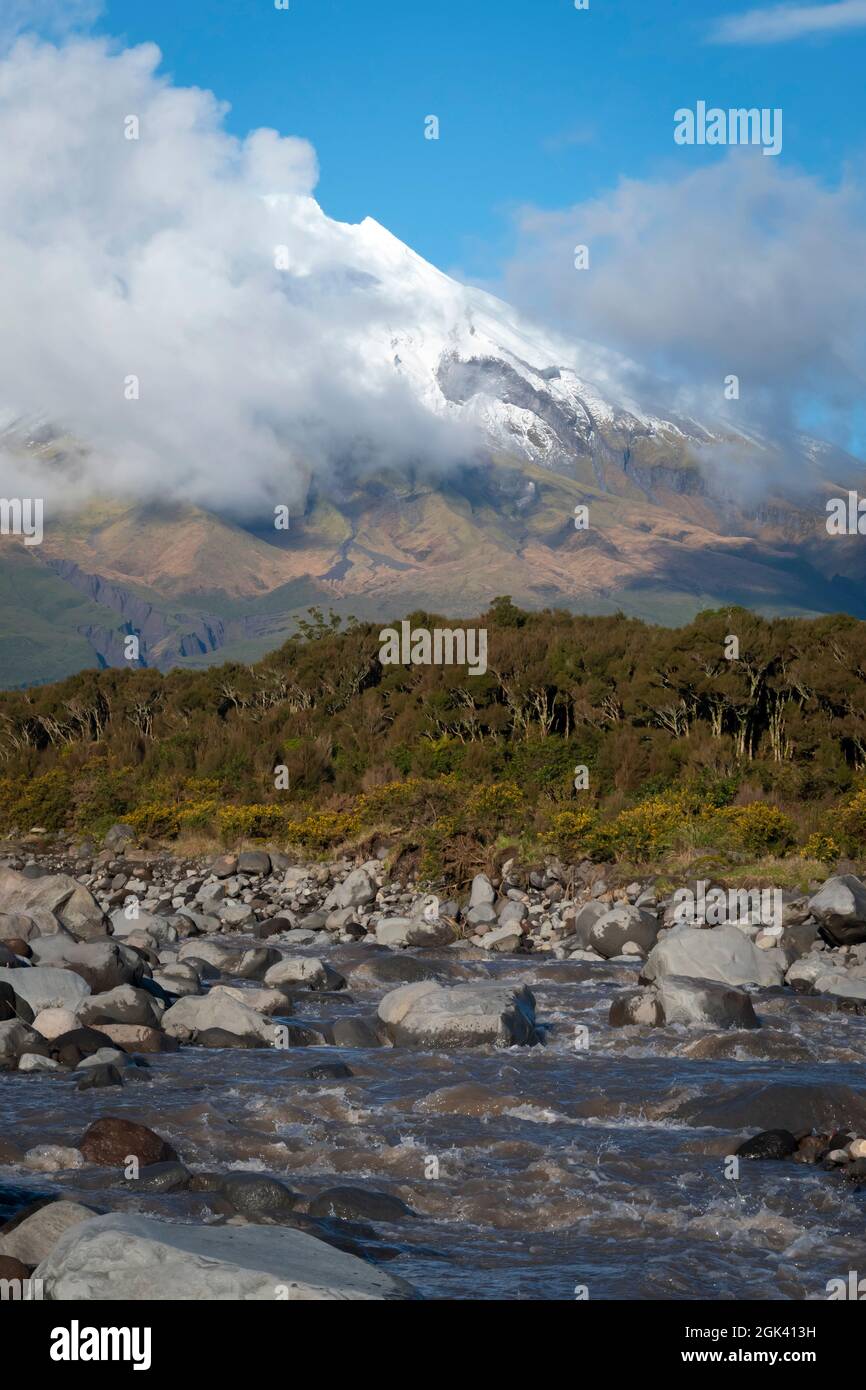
{"points": [[539, 103]]}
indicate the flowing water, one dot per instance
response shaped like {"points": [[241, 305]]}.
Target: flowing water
{"points": [[597, 1162]]}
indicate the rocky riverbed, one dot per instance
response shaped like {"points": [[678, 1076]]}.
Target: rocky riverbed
{"points": [[251, 1078]]}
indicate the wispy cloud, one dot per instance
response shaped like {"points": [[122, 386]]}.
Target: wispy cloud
{"points": [[51, 17], [568, 139], [780, 23]]}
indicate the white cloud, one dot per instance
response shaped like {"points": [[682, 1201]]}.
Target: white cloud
{"points": [[737, 268], [779, 23], [155, 258], [52, 17]]}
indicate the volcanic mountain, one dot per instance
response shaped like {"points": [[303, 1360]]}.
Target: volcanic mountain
{"points": [[558, 489]]}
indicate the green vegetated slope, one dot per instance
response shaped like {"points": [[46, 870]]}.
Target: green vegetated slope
{"points": [[39, 621], [318, 744]]}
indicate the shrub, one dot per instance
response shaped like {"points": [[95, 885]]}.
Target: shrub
{"points": [[822, 847], [849, 823], [154, 818], [644, 831], [758, 828], [198, 815], [571, 834], [250, 822], [103, 795], [549, 764], [320, 830], [490, 810], [392, 799], [45, 801]]}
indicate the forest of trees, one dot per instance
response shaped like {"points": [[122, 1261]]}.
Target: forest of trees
{"points": [[319, 740]]}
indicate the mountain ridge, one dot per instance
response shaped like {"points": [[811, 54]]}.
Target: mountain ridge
{"points": [[673, 523]]}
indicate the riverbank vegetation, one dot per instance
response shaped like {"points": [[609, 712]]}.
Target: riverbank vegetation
{"points": [[319, 746]]}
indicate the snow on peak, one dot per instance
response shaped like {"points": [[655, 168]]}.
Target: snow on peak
{"points": [[461, 352]]}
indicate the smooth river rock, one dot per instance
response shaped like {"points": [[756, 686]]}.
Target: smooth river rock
{"points": [[47, 987], [428, 1014], [71, 904], [127, 1258], [723, 953]]}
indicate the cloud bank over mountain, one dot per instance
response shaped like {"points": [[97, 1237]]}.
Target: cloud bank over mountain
{"points": [[179, 302], [741, 267], [198, 264]]}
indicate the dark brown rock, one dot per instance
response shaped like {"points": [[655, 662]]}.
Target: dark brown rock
{"points": [[71, 1047], [812, 1149], [636, 1007], [273, 927], [110, 1141], [220, 1037]]}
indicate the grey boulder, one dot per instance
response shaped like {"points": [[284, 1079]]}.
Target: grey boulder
{"points": [[303, 972], [841, 984], [586, 919], [124, 1004], [635, 1008], [222, 957], [507, 938], [482, 892], [34, 1237], [610, 932], [17, 1039], [427, 1014], [127, 1258], [69, 902], [47, 987], [839, 907], [158, 928], [193, 1015], [684, 1000], [103, 964], [21, 926], [705, 1003], [414, 931], [724, 953], [356, 890], [256, 863], [118, 836]]}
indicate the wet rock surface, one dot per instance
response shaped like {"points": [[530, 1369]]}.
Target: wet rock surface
{"points": [[491, 1089]]}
